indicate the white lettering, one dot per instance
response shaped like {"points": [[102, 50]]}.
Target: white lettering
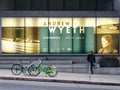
{"points": [[61, 29], [52, 29], [67, 30]]}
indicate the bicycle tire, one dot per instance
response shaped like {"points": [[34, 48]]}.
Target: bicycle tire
{"points": [[33, 71], [52, 71], [16, 69]]}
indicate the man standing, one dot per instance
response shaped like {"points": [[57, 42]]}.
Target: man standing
{"points": [[91, 60]]}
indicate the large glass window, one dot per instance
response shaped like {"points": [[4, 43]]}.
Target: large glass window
{"points": [[13, 35], [83, 35], [60, 35], [107, 31], [43, 35], [32, 36]]}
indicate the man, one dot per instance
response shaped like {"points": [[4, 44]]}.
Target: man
{"points": [[91, 60]]}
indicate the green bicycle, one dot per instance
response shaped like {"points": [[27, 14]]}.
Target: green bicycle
{"points": [[36, 68]]}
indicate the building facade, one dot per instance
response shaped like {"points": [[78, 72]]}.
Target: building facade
{"points": [[66, 29]]}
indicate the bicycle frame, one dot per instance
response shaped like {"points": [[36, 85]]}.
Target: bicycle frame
{"points": [[40, 68], [36, 68]]}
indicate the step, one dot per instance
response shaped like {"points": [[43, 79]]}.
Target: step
{"points": [[84, 66], [61, 62], [14, 61], [61, 66], [96, 71], [10, 58], [109, 70], [65, 70]]}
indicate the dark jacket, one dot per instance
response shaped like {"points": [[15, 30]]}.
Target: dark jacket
{"points": [[91, 58]]}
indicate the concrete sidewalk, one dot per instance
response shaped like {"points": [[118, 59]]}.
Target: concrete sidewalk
{"points": [[65, 78]]}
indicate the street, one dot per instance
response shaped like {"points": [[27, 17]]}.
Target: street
{"points": [[33, 85]]}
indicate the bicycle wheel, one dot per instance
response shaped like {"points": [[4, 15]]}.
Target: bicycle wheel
{"points": [[33, 71], [16, 69], [52, 71]]}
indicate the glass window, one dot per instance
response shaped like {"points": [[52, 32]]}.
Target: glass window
{"points": [[60, 35], [32, 35], [13, 35], [83, 35], [107, 31]]}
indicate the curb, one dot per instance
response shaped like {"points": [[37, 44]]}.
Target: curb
{"points": [[58, 80]]}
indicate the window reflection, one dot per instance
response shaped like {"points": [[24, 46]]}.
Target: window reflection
{"points": [[13, 35], [32, 42]]}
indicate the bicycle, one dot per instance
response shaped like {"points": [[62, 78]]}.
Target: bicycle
{"points": [[17, 69], [37, 68]]}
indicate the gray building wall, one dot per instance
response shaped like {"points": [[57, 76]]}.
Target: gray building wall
{"points": [[117, 5]]}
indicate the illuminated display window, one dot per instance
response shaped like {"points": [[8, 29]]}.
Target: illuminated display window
{"points": [[83, 35], [35, 31], [13, 35], [60, 35], [107, 32]]}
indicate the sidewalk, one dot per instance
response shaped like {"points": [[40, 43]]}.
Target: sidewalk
{"points": [[65, 78]]}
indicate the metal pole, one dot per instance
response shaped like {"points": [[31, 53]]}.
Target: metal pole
{"points": [[89, 72]]}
